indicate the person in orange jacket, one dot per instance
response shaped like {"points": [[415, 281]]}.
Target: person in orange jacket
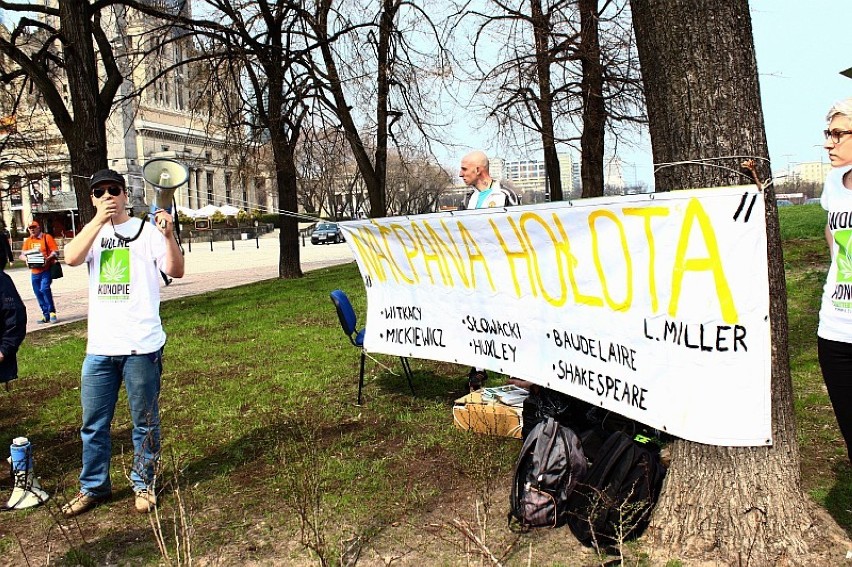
{"points": [[39, 251]]}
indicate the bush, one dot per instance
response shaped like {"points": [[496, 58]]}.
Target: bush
{"points": [[269, 218]]}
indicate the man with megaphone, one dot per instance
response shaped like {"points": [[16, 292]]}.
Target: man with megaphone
{"points": [[125, 336]]}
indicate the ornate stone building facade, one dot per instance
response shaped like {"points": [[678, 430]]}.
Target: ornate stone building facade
{"points": [[163, 109]]}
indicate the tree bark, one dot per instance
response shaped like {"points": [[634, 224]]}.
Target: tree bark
{"points": [[544, 59], [701, 89], [733, 505], [284, 115], [84, 130], [289, 264], [594, 109]]}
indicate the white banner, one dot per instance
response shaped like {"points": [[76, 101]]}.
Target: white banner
{"points": [[653, 306]]}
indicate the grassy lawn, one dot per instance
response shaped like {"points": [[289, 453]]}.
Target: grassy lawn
{"points": [[268, 459]]}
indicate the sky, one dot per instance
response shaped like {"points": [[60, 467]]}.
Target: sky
{"points": [[801, 47]]}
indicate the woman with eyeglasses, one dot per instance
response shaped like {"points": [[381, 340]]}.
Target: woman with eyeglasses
{"points": [[39, 251], [834, 335]]}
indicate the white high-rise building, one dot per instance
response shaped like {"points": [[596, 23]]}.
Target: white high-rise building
{"points": [[529, 178]]}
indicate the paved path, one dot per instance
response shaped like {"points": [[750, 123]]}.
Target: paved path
{"points": [[249, 261]]}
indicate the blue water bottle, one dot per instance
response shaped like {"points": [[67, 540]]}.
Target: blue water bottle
{"points": [[22, 454]]}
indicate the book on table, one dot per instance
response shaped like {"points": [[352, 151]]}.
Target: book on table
{"points": [[509, 395]]}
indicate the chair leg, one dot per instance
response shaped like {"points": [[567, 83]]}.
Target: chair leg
{"points": [[407, 369], [361, 377]]}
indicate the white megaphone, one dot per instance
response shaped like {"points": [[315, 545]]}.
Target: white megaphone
{"points": [[26, 491], [166, 175]]}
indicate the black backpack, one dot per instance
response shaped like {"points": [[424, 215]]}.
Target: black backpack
{"points": [[550, 464], [614, 502]]}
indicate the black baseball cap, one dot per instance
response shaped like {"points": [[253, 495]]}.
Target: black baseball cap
{"points": [[106, 175]]}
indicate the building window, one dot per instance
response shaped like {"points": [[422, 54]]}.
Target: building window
{"points": [[14, 183], [227, 187], [259, 185], [179, 90], [209, 187], [179, 86], [54, 179]]}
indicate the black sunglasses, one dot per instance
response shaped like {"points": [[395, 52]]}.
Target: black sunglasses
{"points": [[114, 190]]}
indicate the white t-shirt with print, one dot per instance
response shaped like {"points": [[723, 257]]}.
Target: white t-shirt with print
{"points": [[835, 314], [124, 291]]}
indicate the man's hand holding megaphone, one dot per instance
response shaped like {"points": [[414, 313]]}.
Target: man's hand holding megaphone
{"points": [[165, 222]]}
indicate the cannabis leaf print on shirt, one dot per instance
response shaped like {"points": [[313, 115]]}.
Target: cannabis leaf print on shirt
{"points": [[115, 266], [844, 255]]}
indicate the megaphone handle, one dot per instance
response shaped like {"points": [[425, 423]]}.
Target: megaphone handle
{"points": [[163, 222]]}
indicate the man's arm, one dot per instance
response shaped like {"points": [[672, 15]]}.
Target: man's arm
{"points": [[174, 265], [78, 248]]}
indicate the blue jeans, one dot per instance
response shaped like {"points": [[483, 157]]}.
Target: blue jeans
{"points": [[41, 288], [101, 380]]}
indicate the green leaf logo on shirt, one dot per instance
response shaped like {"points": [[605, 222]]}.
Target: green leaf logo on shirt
{"points": [[115, 266], [844, 255]]}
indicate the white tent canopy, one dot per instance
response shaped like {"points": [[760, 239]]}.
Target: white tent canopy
{"points": [[209, 210], [206, 211], [187, 211], [229, 210]]}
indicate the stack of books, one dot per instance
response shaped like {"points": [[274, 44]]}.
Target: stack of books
{"points": [[508, 395], [34, 258]]}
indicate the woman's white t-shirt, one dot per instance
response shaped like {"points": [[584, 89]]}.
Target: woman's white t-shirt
{"points": [[124, 290], [835, 314]]}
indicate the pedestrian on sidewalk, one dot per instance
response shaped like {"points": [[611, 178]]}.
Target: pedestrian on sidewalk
{"points": [[6, 254], [125, 337], [40, 251]]}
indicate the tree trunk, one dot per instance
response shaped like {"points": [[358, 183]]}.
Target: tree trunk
{"points": [[594, 109], [703, 49], [542, 34], [289, 263], [84, 130], [733, 505], [284, 114], [342, 109], [385, 59]]}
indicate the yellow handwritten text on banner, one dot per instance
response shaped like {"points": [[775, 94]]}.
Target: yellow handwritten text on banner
{"points": [[651, 306]]}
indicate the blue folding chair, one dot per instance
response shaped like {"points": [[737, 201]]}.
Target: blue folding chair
{"points": [[349, 322]]}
